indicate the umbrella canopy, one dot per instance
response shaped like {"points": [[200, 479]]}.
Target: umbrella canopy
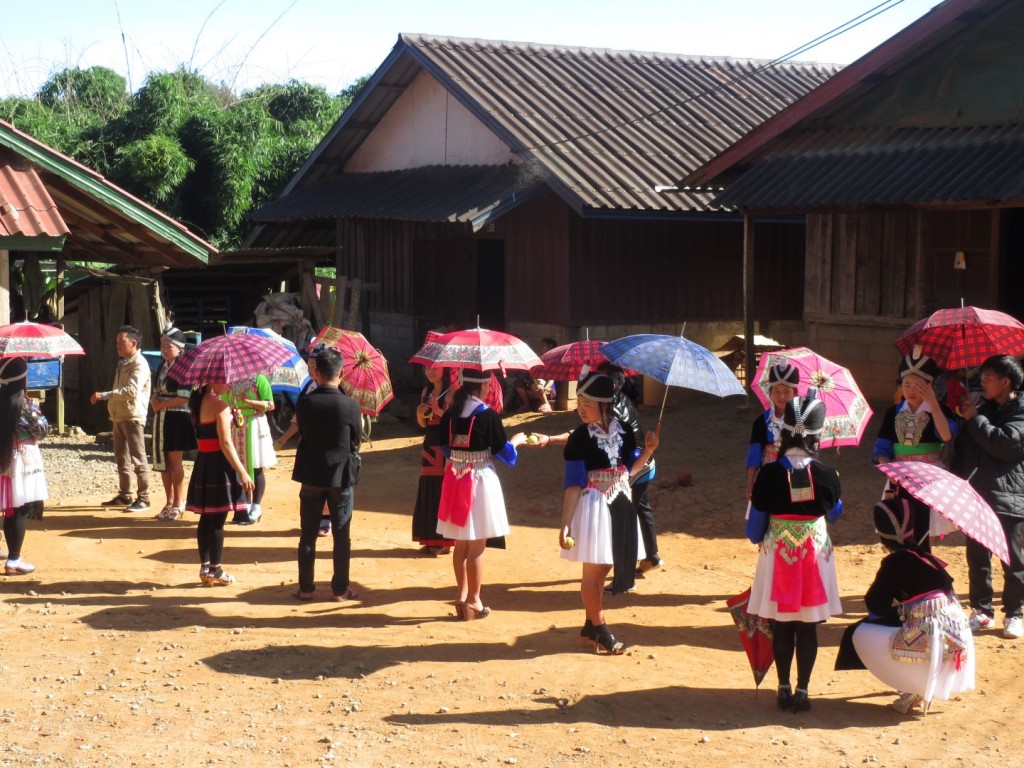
{"points": [[564, 363], [964, 337], [227, 359], [36, 340], [674, 361], [364, 372], [954, 499], [755, 634], [293, 374], [477, 349], [846, 410]]}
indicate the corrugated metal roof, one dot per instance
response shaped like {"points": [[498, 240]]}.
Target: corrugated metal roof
{"points": [[606, 127], [431, 193], [26, 208], [894, 166]]}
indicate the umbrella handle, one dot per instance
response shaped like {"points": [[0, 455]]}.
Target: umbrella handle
{"points": [[661, 413]]}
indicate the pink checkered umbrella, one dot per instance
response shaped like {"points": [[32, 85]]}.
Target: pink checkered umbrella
{"points": [[227, 359], [964, 337], [954, 499]]}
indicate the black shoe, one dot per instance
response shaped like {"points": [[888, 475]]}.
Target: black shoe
{"points": [[118, 501], [139, 505], [784, 698], [606, 641], [800, 701], [587, 635]]}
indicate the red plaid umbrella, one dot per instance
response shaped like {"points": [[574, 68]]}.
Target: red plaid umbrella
{"points": [[227, 359], [36, 340], [564, 363], [477, 349], [755, 634], [954, 499], [364, 372], [964, 337]]}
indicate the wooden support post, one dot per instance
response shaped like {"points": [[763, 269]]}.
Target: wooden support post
{"points": [[340, 286], [749, 361], [5, 287], [59, 277], [353, 306]]}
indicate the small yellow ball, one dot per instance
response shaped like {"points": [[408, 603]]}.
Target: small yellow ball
{"points": [[569, 543]]}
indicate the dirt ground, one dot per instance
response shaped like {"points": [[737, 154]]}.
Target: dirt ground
{"points": [[114, 655]]}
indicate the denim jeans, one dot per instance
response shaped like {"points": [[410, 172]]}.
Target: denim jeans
{"points": [[339, 503]]}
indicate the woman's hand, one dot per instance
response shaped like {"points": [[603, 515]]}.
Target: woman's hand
{"points": [[434, 405], [651, 441], [247, 484], [536, 440], [565, 541], [519, 438]]}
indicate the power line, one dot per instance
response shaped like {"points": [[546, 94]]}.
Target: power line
{"points": [[843, 28]]}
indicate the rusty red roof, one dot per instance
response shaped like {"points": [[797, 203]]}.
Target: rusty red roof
{"points": [[26, 208]]}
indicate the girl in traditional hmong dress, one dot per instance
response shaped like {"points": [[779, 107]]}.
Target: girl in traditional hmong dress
{"points": [[917, 637], [173, 433], [23, 481], [434, 399], [795, 582], [219, 479], [916, 429], [783, 379], [252, 400], [472, 508], [599, 521]]}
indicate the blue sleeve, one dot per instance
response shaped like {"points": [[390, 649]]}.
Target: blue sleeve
{"points": [[575, 474], [836, 512], [754, 454], [954, 426], [883, 447], [757, 525], [508, 454]]}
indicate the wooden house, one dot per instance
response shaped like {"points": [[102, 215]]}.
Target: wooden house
{"points": [[521, 184], [52, 204], [909, 168]]}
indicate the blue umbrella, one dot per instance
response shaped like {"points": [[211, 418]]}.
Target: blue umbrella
{"points": [[292, 375], [674, 361]]}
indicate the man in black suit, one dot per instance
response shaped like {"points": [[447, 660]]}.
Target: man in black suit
{"points": [[329, 425]]}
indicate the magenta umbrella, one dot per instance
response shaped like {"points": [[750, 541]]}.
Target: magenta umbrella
{"points": [[954, 499], [846, 410], [565, 363]]}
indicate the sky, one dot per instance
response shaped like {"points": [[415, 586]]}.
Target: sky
{"points": [[244, 43]]}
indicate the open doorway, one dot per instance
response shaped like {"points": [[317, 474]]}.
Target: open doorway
{"points": [[1011, 298], [490, 283]]}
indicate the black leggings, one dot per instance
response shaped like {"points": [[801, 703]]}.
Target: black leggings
{"points": [[259, 485], [210, 536], [15, 527], [797, 637]]}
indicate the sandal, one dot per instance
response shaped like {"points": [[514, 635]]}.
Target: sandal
{"points": [[219, 578], [587, 635], [460, 610], [348, 594], [163, 513], [174, 513], [471, 613], [298, 594], [604, 639]]}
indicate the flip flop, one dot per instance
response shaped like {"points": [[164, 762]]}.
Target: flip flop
{"points": [[348, 594], [298, 594]]}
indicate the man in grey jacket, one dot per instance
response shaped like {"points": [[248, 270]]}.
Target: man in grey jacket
{"points": [[990, 452], [128, 404]]}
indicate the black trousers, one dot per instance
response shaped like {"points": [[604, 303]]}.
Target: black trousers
{"points": [[979, 569]]}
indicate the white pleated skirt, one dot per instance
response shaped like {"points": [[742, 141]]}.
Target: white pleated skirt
{"points": [[487, 516], [933, 677], [29, 480], [263, 454], [591, 529], [816, 545]]}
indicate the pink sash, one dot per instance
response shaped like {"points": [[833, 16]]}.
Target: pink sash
{"points": [[796, 581], [457, 488]]}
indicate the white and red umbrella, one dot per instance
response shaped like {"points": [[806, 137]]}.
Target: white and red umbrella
{"points": [[28, 339], [954, 499], [477, 349]]}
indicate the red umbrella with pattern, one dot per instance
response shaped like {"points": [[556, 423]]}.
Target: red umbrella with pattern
{"points": [[477, 349], [364, 372], [964, 337], [755, 634], [564, 363], [954, 499]]}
